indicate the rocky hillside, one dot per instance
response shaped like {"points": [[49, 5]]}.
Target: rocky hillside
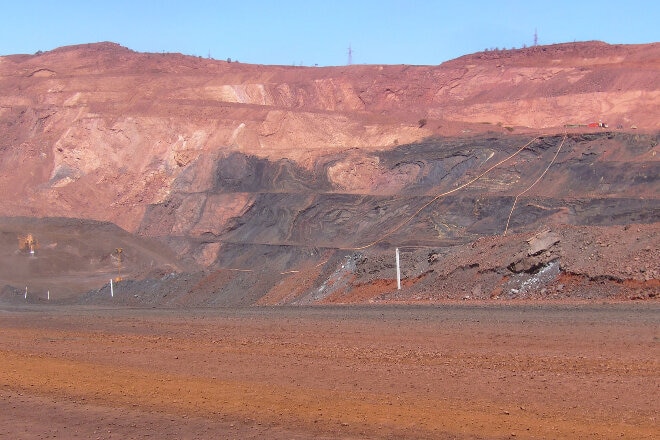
{"points": [[278, 184]]}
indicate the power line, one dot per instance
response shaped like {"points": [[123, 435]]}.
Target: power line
{"points": [[532, 185], [446, 193]]}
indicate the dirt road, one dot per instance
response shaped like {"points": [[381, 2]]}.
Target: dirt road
{"points": [[523, 371]]}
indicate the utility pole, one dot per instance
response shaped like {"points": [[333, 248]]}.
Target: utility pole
{"points": [[398, 271]]}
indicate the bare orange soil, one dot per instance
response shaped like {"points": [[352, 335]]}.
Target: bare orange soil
{"points": [[529, 371]]}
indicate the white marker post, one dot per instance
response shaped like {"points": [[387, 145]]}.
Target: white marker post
{"points": [[112, 291], [48, 295], [26, 293], [398, 271]]}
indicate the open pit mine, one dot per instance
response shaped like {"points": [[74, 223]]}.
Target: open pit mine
{"points": [[529, 174]]}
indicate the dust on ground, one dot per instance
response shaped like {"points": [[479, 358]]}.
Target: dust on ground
{"points": [[468, 372]]}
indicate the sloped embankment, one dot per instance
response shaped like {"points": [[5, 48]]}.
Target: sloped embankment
{"points": [[305, 236], [482, 218]]}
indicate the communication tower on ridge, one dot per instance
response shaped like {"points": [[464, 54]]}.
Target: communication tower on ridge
{"points": [[350, 55]]}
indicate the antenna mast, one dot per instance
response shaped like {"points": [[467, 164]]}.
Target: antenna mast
{"points": [[536, 38], [350, 55]]}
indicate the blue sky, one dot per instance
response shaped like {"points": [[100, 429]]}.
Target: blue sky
{"points": [[320, 32]]}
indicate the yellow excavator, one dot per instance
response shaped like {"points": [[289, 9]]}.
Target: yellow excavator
{"points": [[118, 255], [27, 243]]}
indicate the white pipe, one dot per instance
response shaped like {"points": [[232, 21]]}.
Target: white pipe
{"points": [[398, 271], [112, 291]]}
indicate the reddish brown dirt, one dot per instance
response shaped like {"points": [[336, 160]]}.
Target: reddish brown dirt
{"points": [[99, 131], [262, 185], [452, 372], [278, 170], [361, 293], [610, 263]]}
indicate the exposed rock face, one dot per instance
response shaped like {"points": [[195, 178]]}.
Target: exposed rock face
{"points": [[236, 165], [541, 253]]}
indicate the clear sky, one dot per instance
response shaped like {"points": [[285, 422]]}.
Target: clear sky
{"points": [[310, 32]]}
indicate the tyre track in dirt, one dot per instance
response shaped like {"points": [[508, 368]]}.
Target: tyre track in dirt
{"points": [[350, 375]]}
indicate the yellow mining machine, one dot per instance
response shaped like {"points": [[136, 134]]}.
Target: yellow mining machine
{"points": [[27, 243], [118, 254]]}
